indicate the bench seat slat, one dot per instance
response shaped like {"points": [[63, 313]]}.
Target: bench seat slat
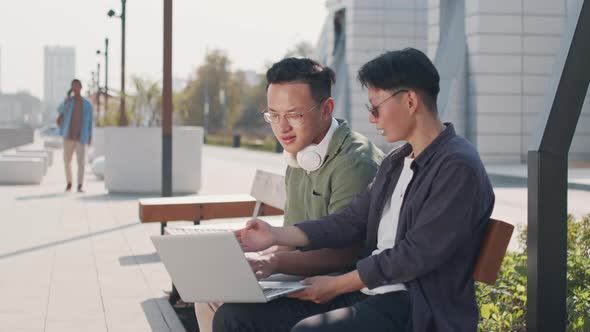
{"points": [[207, 207]]}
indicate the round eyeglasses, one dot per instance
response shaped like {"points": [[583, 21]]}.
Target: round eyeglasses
{"points": [[295, 119]]}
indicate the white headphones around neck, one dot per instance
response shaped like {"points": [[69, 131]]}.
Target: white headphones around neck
{"points": [[312, 156]]}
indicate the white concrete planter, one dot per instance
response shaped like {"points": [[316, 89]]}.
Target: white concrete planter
{"points": [[97, 147], [53, 142], [33, 150], [22, 155], [133, 160], [22, 170]]}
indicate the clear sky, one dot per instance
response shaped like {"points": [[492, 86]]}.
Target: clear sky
{"points": [[252, 32]]}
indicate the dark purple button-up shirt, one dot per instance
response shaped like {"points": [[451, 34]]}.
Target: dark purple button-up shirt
{"points": [[442, 221]]}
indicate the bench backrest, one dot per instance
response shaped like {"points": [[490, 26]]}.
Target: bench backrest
{"points": [[269, 191], [492, 251]]}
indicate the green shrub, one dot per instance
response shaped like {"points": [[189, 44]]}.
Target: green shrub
{"points": [[503, 306]]}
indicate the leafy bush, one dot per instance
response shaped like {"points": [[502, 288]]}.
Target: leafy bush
{"points": [[503, 306]]}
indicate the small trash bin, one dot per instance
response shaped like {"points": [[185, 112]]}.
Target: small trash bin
{"points": [[236, 143]]}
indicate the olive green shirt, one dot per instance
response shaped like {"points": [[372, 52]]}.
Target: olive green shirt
{"points": [[349, 166]]}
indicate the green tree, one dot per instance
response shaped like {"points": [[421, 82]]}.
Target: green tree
{"points": [[110, 117], [254, 98], [213, 83], [146, 103]]}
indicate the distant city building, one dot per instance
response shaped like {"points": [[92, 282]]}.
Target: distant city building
{"points": [[59, 70], [495, 59], [20, 110]]}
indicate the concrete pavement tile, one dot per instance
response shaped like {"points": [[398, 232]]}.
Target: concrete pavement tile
{"points": [[18, 304], [22, 320], [22, 289], [72, 307], [27, 254], [67, 290], [26, 273], [73, 315], [72, 324], [71, 273], [128, 288]]}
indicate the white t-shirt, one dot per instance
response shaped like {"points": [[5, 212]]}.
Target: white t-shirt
{"points": [[388, 224]]}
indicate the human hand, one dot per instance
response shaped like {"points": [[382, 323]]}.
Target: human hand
{"points": [[256, 236], [320, 289], [262, 265]]}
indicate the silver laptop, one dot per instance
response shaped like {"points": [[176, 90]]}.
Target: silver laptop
{"points": [[210, 266]]}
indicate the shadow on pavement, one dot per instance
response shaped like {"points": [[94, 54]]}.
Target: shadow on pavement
{"points": [[111, 197], [41, 196], [64, 241], [158, 307], [139, 259]]}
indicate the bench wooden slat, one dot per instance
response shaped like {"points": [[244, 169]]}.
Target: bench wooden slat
{"points": [[197, 199], [193, 208], [207, 207], [492, 251]]}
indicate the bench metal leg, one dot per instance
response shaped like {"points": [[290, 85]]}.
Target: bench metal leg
{"points": [[162, 227]]}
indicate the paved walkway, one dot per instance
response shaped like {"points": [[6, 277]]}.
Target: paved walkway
{"points": [[83, 262]]}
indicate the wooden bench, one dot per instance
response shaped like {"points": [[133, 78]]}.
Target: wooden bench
{"points": [[267, 198]]}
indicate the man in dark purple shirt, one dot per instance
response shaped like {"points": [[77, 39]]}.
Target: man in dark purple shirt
{"points": [[421, 220]]}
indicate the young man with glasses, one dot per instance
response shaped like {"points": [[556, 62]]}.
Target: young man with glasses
{"points": [[328, 165], [421, 220]]}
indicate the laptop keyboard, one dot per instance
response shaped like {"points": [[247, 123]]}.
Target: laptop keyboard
{"points": [[273, 291]]}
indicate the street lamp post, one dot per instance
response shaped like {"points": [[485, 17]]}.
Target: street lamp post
{"points": [[97, 90], [122, 114], [93, 84], [106, 74], [223, 97], [167, 104]]}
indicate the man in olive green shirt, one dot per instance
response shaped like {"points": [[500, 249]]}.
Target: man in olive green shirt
{"points": [[328, 165]]}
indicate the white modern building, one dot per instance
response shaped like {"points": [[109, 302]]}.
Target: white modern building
{"points": [[495, 59], [59, 70]]}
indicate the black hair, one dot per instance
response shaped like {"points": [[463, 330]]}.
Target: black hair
{"points": [[75, 80], [407, 68], [303, 70]]}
